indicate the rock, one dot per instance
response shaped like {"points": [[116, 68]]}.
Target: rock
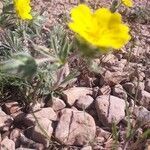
{"points": [[84, 102], [113, 62], [15, 136], [144, 98], [72, 95], [25, 149], [102, 133], [18, 116], [139, 85], [5, 121], [100, 140], [48, 113], [7, 144], [141, 76], [109, 144], [118, 66], [11, 107], [147, 73], [37, 106], [98, 147], [122, 135], [119, 148], [118, 91], [147, 85], [147, 145], [109, 59], [75, 128], [30, 143], [137, 75], [42, 131], [119, 56], [57, 104], [110, 109], [129, 87], [112, 78], [86, 148], [131, 103], [104, 90], [142, 115], [74, 108]]}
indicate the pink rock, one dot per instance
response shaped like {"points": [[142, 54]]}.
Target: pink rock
{"points": [[11, 107], [48, 113], [118, 91], [18, 116], [129, 87], [75, 128], [42, 131], [5, 121], [7, 144], [104, 90], [113, 78], [87, 148], [109, 59], [110, 109], [142, 115], [144, 98], [57, 104], [72, 95], [102, 133], [15, 135], [37, 106], [84, 102], [147, 85]]}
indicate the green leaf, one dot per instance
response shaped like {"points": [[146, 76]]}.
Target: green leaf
{"points": [[21, 64]]}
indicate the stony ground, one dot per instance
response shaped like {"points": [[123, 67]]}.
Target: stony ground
{"points": [[82, 119]]}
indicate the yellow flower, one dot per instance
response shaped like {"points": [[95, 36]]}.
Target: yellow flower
{"points": [[128, 3], [101, 28], [23, 9]]}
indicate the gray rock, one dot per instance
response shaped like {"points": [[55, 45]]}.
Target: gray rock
{"points": [[110, 109], [75, 128]]}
